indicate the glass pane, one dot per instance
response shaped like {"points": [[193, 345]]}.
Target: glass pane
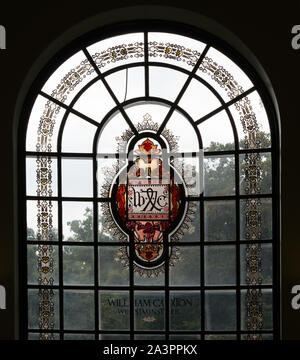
{"points": [[185, 337], [190, 170], [33, 256], [192, 233], [114, 310], [48, 216], [223, 74], [77, 218], [95, 102], [219, 175], [107, 169], [79, 337], [259, 305], [257, 336], [118, 50], [185, 311], [112, 271], [36, 336], [77, 177], [256, 219], [149, 310], [174, 49], [251, 109], [78, 135], [34, 309], [263, 251], [69, 78], [79, 310], [184, 134], [216, 133], [219, 221], [144, 113], [107, 230], [250, 166], [220, 265], [220, 310], [186, 270], [47, 173], [114, 337], [220, 337], [127, 84], [78, 265], [46, 113], [149, 337], [198, 100], [154, 280], [165, 83], [110, 135]]}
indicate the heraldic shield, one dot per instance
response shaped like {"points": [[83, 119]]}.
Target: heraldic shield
{"points": [[148, 201]]}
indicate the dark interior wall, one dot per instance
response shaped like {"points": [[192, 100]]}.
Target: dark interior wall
{"points": [[264, 29]]}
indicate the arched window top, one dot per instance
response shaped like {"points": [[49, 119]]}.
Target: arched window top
{"points": [[119, 120]]}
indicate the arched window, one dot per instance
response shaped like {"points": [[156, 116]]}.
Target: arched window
{"points": [[151, 197]]}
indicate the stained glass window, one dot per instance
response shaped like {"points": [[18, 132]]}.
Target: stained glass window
{"points": [[150, 194]]}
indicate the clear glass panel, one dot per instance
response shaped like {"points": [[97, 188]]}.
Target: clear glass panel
{"points": [[216, 133], [79, 310], [50, 176], [149, 310], [267, 263], [48, 111], [184, 133], [34, 310], [149, 337], [79, 337], [32, 264], [77, 177], [220, 265], [257, 336], [78, 265], [114, 337], [138, 113], [220, 337], [257, 214], [112, 271], [190, 169], [262, 160], [223, 74], [144, 280], [174, 49], [266, 301], [219, 174], [165, 83], [198, 100], [219, 220], [127, 84], [106, 225], [114, 310], [192, 234], [110, 134], [78, 135], [255, 105], [95, 102], [185, 337], [77, 219], [69, 78], [185, 311], [118, 50], [32, 219], [107, 169], [186, 271], [220, 310]]}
